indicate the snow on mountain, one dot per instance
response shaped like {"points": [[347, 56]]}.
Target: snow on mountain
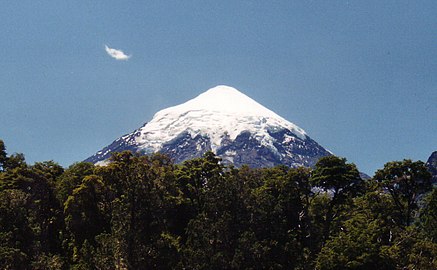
{"points": [[219, 111], [229, 123]]}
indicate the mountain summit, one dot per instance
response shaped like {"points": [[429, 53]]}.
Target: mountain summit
{"points": [[227, 122]]}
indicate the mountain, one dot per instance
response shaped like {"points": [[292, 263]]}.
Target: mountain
{"points": [[227, 122], [431, 164]]}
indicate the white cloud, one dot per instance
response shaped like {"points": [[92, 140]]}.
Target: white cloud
{"points": [[116, 54]]}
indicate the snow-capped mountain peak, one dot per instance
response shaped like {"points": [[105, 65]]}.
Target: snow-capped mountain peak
{"points": [[224, 99], [217, 113], [220, 119]]}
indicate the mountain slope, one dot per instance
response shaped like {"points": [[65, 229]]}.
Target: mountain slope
{"points": [[227, 122], [431, 164]]}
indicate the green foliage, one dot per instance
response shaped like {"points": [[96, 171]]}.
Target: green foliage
{"points": [[71, 179], [15, 161], [342, 182], [411, 250], [138, 201], [10, 162], [428, 216], [144, 212], [405, 181], [83, 218], [333, 174], [15, 230], [362, 236]]}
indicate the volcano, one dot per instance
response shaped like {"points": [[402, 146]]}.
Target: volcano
{"points": [[223, 120]]}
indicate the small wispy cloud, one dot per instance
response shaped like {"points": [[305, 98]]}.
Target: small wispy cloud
{"points": [[116, 54]]}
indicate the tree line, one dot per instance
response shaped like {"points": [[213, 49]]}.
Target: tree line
{"points": [[145, 212]]}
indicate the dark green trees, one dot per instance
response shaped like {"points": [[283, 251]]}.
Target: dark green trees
{"points": [[122, 215], [405, 181], [381, 229], [30, 215], [142, 196], [15, 230], [428, 215], [341, 181], [10, 162], [364, 234], [148, 213]]}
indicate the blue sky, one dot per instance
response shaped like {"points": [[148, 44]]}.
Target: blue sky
{"points": [[360, 77]]}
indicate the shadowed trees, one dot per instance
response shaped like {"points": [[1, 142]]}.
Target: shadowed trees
{"points": [[341, 181], [405, 181], [144, 212]]}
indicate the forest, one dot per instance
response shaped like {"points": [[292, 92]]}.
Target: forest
{"points": [[145, 212]]}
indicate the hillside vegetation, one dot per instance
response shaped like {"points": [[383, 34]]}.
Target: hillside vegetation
{"points": [[144, 212]]}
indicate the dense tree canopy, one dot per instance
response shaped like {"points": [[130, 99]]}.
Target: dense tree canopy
{"points": [[405, 181], [144, 212]]}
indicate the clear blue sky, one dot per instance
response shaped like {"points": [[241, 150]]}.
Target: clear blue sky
{"points": [[359, 76]]}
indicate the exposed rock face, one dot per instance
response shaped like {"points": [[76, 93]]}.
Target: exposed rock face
{"points": [[431, 164], [227, 122]]}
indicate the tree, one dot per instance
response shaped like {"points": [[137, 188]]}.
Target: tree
{"points": [[49, 169], [71, 179], [411, 250], [207, 202], [193, 177], [405, 181], [43, 211], [340, 180], [366, 232], [274, 228], [83, 217], [3, 156], [428, 216], [30, 217], [10, 162], [16, 236], [46, 211], [142, 194], [307, 238]]}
